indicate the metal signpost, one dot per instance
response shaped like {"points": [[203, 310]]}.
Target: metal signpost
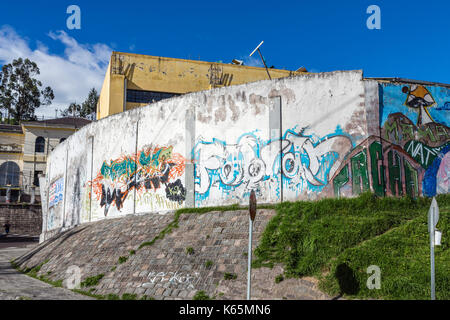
{"points": [[251, 218], [433, 218]]}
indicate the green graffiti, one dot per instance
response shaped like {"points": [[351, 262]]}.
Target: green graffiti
{"points": [[360, 176], [442, 132], [376, 155], [411, 180], [117, 169], [340, 180], [388, 128], [426, 133], [407, 131], [395, 178], [422, 153], [155, 159]]}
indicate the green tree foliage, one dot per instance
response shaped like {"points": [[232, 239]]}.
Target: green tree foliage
{"points": [[88, 107], [20, 91]]}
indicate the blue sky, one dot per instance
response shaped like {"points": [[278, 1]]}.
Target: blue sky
{"points": [[320, 35]]}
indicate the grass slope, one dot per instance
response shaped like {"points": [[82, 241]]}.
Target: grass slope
{"points": [[403, 255], [312, 238]]}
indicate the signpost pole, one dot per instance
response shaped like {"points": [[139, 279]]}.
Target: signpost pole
{"points": [[249, 267], [433, 218], [252, 211], [433, 294]]}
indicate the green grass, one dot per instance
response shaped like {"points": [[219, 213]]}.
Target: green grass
{"points": [[201, 295], [122, 259], [229, 276], [279, 278], [311, 238], [403, 255], [129, 296], [92, 281], [208, 264]]}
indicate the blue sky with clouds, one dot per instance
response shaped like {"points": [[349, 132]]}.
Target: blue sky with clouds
{"points": [[321, 35]]}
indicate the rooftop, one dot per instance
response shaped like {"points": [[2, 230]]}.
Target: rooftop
{"points": [[74, 122]]}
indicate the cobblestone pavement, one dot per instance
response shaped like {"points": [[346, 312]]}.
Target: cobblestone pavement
{"points": [[17, 286]]}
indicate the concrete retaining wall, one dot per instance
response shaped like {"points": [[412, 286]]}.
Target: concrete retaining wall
{"points": [[304, 137]]}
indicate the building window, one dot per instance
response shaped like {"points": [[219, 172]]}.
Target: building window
{"points": [[141, 96], [9, 174], [36, 178], [39, 145]]}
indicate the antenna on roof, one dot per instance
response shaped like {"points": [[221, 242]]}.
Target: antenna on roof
{"points": [[259, 51]]}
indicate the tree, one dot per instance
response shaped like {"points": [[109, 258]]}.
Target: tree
{"points": [[72, 110], [20, 91], [89, 106], [84, 110]]}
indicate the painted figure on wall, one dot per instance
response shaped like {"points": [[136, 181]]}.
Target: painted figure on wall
{"points": [[418, 97], [411, 155]]}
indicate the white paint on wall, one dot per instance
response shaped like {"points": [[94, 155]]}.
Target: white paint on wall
{"points": [[138, 157]]}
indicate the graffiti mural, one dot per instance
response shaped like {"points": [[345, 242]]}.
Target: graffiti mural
{"points": [[303, 162], [411, 155], [150, 169]]}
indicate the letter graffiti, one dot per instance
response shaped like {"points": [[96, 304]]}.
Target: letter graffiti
{"points": [[149, 170], [173, 279], [302, 161]]}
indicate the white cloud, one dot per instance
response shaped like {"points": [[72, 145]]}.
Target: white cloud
{"points": [[71, 76], [252, 61]]}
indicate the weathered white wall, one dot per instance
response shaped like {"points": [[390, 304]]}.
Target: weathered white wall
{"points": [[283, 138]]}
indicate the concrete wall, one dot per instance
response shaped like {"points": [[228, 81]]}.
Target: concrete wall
{"points": [[305, 137]]}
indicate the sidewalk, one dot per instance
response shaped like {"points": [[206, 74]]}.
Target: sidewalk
{"points": [[17, 286]]}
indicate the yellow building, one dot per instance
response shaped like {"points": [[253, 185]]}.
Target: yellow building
{"points": [[134, 80]]}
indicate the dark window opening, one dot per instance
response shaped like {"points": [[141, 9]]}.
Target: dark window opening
{"points": [[9, 174], [142, 96], [61, 140], [36, 178], [39, 145]]}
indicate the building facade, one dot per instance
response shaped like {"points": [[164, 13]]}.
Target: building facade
{"points": [[134, 80], [24, 150]]}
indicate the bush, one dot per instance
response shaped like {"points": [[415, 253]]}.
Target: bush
{"points": [[122, 259], [229, 276], [92, 281], [279, 278], [201, 295]]}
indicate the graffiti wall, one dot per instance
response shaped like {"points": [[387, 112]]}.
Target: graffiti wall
{"points": [[410, 154], [305, 137]]}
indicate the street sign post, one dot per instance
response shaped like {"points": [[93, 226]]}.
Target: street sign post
{"points": [[251, 218], [433, 218]]}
